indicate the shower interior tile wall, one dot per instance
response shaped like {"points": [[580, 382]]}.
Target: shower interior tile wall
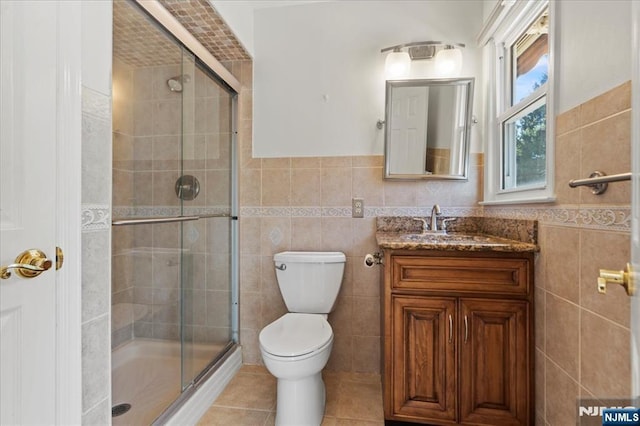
{"points": [[148, 158]]}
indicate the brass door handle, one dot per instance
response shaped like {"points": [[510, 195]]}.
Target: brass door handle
{"points": [[29, 264], [624, 278]]}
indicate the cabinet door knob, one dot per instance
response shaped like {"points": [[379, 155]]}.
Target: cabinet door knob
{"points": [[450, 329]]}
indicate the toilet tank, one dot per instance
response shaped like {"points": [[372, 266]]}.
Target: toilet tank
{"points": [[309, 281]]}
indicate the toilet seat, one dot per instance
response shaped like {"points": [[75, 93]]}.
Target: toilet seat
{"points": [[294, 335]]}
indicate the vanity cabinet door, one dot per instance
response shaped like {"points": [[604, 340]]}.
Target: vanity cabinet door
{"points": [[423, 364], [494, 361]]}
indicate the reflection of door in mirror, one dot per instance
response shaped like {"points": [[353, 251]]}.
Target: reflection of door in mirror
{"points": [[427, 133], [442, 112], [446, 125], [409, 107]]}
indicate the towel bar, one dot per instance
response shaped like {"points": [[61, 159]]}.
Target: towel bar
{"points": [[598, 181]]}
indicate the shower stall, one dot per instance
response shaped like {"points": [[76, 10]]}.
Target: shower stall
{"points": [[174, 238]]}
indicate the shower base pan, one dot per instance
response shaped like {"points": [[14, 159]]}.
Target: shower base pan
{"points": [[146, 373]]}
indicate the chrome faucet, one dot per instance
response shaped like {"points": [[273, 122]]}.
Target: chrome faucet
{"points": [[435, 212]]}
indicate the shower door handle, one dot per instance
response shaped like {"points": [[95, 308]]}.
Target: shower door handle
{"points": [[29, 264]]}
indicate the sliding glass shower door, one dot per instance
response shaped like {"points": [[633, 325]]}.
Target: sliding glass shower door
{"points": [[207, 243], [173, 215]]}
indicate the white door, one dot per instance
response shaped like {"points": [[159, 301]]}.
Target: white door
{"points": [[408, 127], [28, 134]]}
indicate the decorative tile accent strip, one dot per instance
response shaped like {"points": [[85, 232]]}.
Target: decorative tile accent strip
{"points": [[346, 211], [145, 211], [421, 211], [95, 217], [336, 212], [609, 217], [306, 211], [593, 217]]}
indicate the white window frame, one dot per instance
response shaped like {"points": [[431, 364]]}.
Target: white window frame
{"points": [[503, 28]]}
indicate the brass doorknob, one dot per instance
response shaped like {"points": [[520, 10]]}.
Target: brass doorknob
{"points": [[30, 263], [625, 278]]}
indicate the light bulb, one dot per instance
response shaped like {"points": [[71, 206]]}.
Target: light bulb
{"points": [[449, 62], [397, 65]]}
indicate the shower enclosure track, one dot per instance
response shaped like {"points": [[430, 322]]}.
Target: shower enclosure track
{"points": [[168, 219]]}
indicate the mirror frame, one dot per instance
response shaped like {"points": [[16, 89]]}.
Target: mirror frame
{"points": [[469, 82]]}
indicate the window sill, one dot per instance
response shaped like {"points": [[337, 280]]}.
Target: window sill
{"points": [[535, 200]]}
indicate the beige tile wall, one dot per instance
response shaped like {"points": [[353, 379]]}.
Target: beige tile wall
{"points": [[314, 184], [582, 337]]}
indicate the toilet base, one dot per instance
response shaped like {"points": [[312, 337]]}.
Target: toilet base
{"points": [[301, 402]]}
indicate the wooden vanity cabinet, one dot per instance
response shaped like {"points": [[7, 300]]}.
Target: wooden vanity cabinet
{"points": [[458, 337]]}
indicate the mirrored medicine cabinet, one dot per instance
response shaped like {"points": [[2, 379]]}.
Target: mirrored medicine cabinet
{"points": [[427, 128]]}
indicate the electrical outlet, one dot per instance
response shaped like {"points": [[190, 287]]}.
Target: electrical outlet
{"points": [[357, 207]]}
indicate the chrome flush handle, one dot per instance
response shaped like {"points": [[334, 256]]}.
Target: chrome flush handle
{"points": [[281, 267]]}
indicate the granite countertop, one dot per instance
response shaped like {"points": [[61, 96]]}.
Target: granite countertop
{"points": [[464, 234]]}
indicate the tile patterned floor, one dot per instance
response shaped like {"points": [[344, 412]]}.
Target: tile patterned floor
{"points": [[353, 399]]}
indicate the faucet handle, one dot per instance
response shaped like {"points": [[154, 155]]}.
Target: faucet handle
{"points": [[424, 223], [445, 221]]}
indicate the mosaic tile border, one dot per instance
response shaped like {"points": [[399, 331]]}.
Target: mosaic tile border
{"points": [[202, 20], [593, 217], [95, 217], [346, 211]]}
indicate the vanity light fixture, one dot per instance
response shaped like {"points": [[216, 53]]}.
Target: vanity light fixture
{"points": [[397, 65], [448, 58]]}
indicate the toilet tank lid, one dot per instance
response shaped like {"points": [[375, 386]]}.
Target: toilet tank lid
{"points": [[310, 256]]}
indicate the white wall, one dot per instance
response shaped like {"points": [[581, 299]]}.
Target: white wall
{"points": [[595, 49], [238, 15], [318, 70]]}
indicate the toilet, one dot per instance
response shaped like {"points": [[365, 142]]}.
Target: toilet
{"points": [[296, 347]]}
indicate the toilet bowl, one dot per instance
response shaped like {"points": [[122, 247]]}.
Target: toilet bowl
{"points": [[296, 347]]}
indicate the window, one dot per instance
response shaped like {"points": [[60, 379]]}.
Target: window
{"points": [[519, 146]]}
